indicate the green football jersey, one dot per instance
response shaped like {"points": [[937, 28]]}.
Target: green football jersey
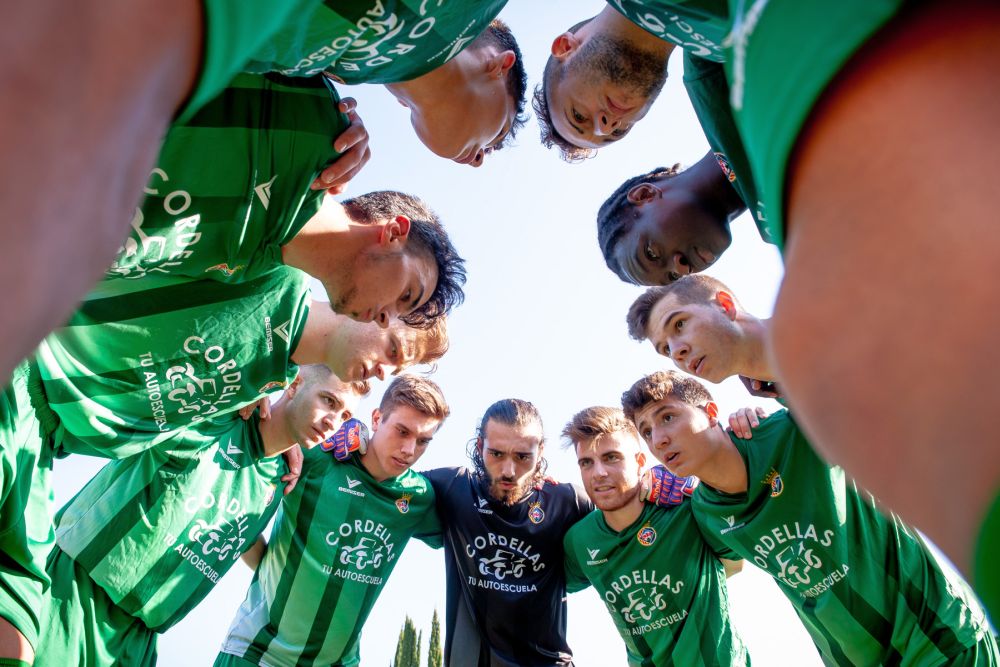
{"points": [[335, 541], [865, 586], [697, 26], [662, 585], [130, 369], [157, 530], [375, 41], [705, 82], [231, 185]]}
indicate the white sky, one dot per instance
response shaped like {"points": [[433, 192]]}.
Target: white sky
{"points": [[543, 321]]}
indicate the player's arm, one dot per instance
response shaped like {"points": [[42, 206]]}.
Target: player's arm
{"points": [[731, 566], [352, 144], [575, 579], [255, 554]]}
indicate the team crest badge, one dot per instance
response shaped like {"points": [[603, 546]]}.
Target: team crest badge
{"points": [[225, 269], [727, 168], [773, 480], [646, 535], [403, 503], [535, 513], [270, 386]]}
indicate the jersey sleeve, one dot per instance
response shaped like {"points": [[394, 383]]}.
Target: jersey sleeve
{"points": [[429, 531], [575, 579]]}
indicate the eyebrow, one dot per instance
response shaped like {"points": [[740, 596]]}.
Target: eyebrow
{"points": [[670, 317], [340, 403]]}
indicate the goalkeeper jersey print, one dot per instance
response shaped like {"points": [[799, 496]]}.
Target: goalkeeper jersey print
{"points": [[231, 185], [504, 569], [129, 369], [864, 585], [375, 41], [662, 585], [335, 541], [156, 531]]}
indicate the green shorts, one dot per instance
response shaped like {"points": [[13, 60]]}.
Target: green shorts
{"points": [[233, 31], [26, 533], [781, 56], [985, 575], [83, 626], [230, 660]]}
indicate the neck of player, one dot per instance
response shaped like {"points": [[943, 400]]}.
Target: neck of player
{"points": [[714, 191], [755, 361], [724, 468], [627, 514], [274, 432], [613, 24], [330, 239]]}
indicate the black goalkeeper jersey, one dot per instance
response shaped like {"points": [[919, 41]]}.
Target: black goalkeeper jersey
{"points": [[506, 584]]}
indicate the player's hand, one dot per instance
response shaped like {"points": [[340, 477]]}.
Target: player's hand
{"points": [[743, 421], [352, 437], [547, 479], [352, 144], [762, 388], [264, 403], [663, 488], [293, 457]]}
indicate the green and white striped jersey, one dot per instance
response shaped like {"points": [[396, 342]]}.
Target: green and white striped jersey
{"points": [[131, 368], [157, 530], [662, 585], [335, 541], [374, 41], [865, 586], [231, 185]]}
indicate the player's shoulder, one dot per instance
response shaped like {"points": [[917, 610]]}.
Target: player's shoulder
{"points": [[443, 479]]}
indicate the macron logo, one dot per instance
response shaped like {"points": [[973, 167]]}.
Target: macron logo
{"points": [[593, 553], [482, 502], [264, 192], [351, 483], [233, 449], [730, 520]]}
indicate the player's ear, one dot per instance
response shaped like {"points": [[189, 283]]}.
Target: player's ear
{"points": [[564, 45], [499, 64], [640, 458], [712, 410], [727, 302], [396, 229], [294, 387], [376, 419], [643, 193]]}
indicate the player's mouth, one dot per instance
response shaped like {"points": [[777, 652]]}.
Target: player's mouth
{"points": [[705, 257], [695, 365], [619, 109], [672, 458], [400, 463]]}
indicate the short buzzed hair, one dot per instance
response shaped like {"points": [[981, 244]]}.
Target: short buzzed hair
{"points": [[662, 385], [568, 151], [614, 219], [417, 392], [590, 424], [694, 288]]}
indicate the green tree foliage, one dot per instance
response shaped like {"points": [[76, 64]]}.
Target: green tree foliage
{"points": [[435, 656], [408, 646]]}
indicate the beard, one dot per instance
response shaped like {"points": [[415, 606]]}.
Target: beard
{"points": [[509, 496], [604, 58]]}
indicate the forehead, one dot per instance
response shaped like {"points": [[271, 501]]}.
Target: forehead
{"points": [[651, 410], [619, 441], [662, 309], [520, 437], [342, 390], [412, 419]]}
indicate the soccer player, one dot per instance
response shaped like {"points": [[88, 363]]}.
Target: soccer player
{"points": [[864, 584], [337, 537], [503, 529], [699, 323], [149, 537], [663, 586], [131, 369]]}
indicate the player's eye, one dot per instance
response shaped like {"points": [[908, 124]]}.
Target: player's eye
{"points": [[578, 117], [679, 325], [652, 253], [673, 276], [647, 434], [667, 419]]}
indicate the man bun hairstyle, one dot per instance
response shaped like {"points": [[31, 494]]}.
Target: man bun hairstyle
{"points": [[427, 235], [660, 386]]}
